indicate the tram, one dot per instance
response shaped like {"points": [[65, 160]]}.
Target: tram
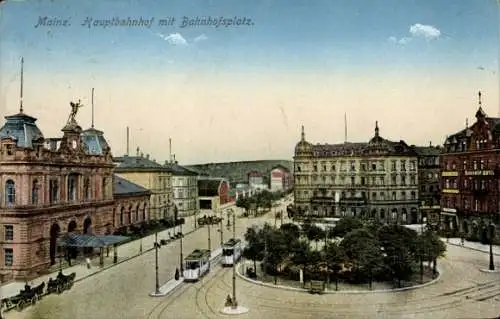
{"points": [[231, 251], [196, 264]]}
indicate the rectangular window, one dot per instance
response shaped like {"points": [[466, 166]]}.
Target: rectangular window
{"points": [[403, 165], [353, 166], [9, 232], [8, 256], [393, 166]]}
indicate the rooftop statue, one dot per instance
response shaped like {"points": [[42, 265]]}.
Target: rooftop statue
{"points": [[74, 110]]}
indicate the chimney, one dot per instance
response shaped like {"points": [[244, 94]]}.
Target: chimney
{"points": [[147, 156], [174, 158], [138, 151], [430, 143]]}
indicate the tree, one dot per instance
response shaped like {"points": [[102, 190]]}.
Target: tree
{"points": [[400, 248], [362, 250], [435, 248], [300, 255], [314, 233], [334, 261], [346, 225], [277, 250], [255, 246], [291, 233]]}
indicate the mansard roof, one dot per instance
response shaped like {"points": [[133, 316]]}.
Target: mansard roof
{"points": [[22, 129]]}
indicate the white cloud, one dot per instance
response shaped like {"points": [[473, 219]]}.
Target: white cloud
{"points": [[427, 31], [174, 38], [199, 38], [402, 41]]}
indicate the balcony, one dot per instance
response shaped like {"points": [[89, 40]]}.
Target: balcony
{"points": [[450, 191]]}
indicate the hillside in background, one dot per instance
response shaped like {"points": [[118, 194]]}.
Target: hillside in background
{"points": [[236, 172]]}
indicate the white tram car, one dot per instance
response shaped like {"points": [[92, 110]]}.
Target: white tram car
{"points": [[196, 264], [231, 251]]}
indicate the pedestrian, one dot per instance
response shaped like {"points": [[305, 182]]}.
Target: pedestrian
{"points": [[88, 262], [462, 240]]}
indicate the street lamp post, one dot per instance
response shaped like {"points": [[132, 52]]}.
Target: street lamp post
{"points": [[492, 236], [182, 257], [209, 240], [221, 230], [157, 283], [235, 303]]}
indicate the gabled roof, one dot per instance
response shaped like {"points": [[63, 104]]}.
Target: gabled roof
{"points": [[138, 163], [122, 187]]}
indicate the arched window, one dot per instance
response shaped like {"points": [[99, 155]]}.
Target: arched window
{"points": [[122, 211], [144, 212], [130, 214], [136, 213], [54, 190], [10, 192], [103, 187], [72, 178], [86, 188], [34, 192]]}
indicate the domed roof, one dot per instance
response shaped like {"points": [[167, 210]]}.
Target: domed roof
{"points": [[22, 129], [95, 142], [303, 146]]}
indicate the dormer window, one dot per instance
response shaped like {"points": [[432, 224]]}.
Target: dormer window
{"points": [[9, 149]]}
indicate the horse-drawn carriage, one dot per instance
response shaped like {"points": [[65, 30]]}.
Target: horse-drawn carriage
{"points": [[29, 296], [209, 220], [25, 297], [61, 283]]}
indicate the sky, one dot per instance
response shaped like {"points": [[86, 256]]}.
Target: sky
{"points": [[241, 87]]}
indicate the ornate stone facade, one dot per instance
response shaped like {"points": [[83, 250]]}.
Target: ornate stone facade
{"points": [[48, 192], [470, 177], [378, 179]]}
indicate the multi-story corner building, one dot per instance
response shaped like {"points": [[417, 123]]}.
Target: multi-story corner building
{"points": [[153, 176], [471, 175], [429, 181], [185, 189], [50, 191], [378, 179]]}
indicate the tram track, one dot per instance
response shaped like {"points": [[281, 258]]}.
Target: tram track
{"points": [[205, 284]]}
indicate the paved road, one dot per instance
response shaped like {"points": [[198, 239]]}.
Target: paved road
{"points": [[462, 292], [123, 291]]}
